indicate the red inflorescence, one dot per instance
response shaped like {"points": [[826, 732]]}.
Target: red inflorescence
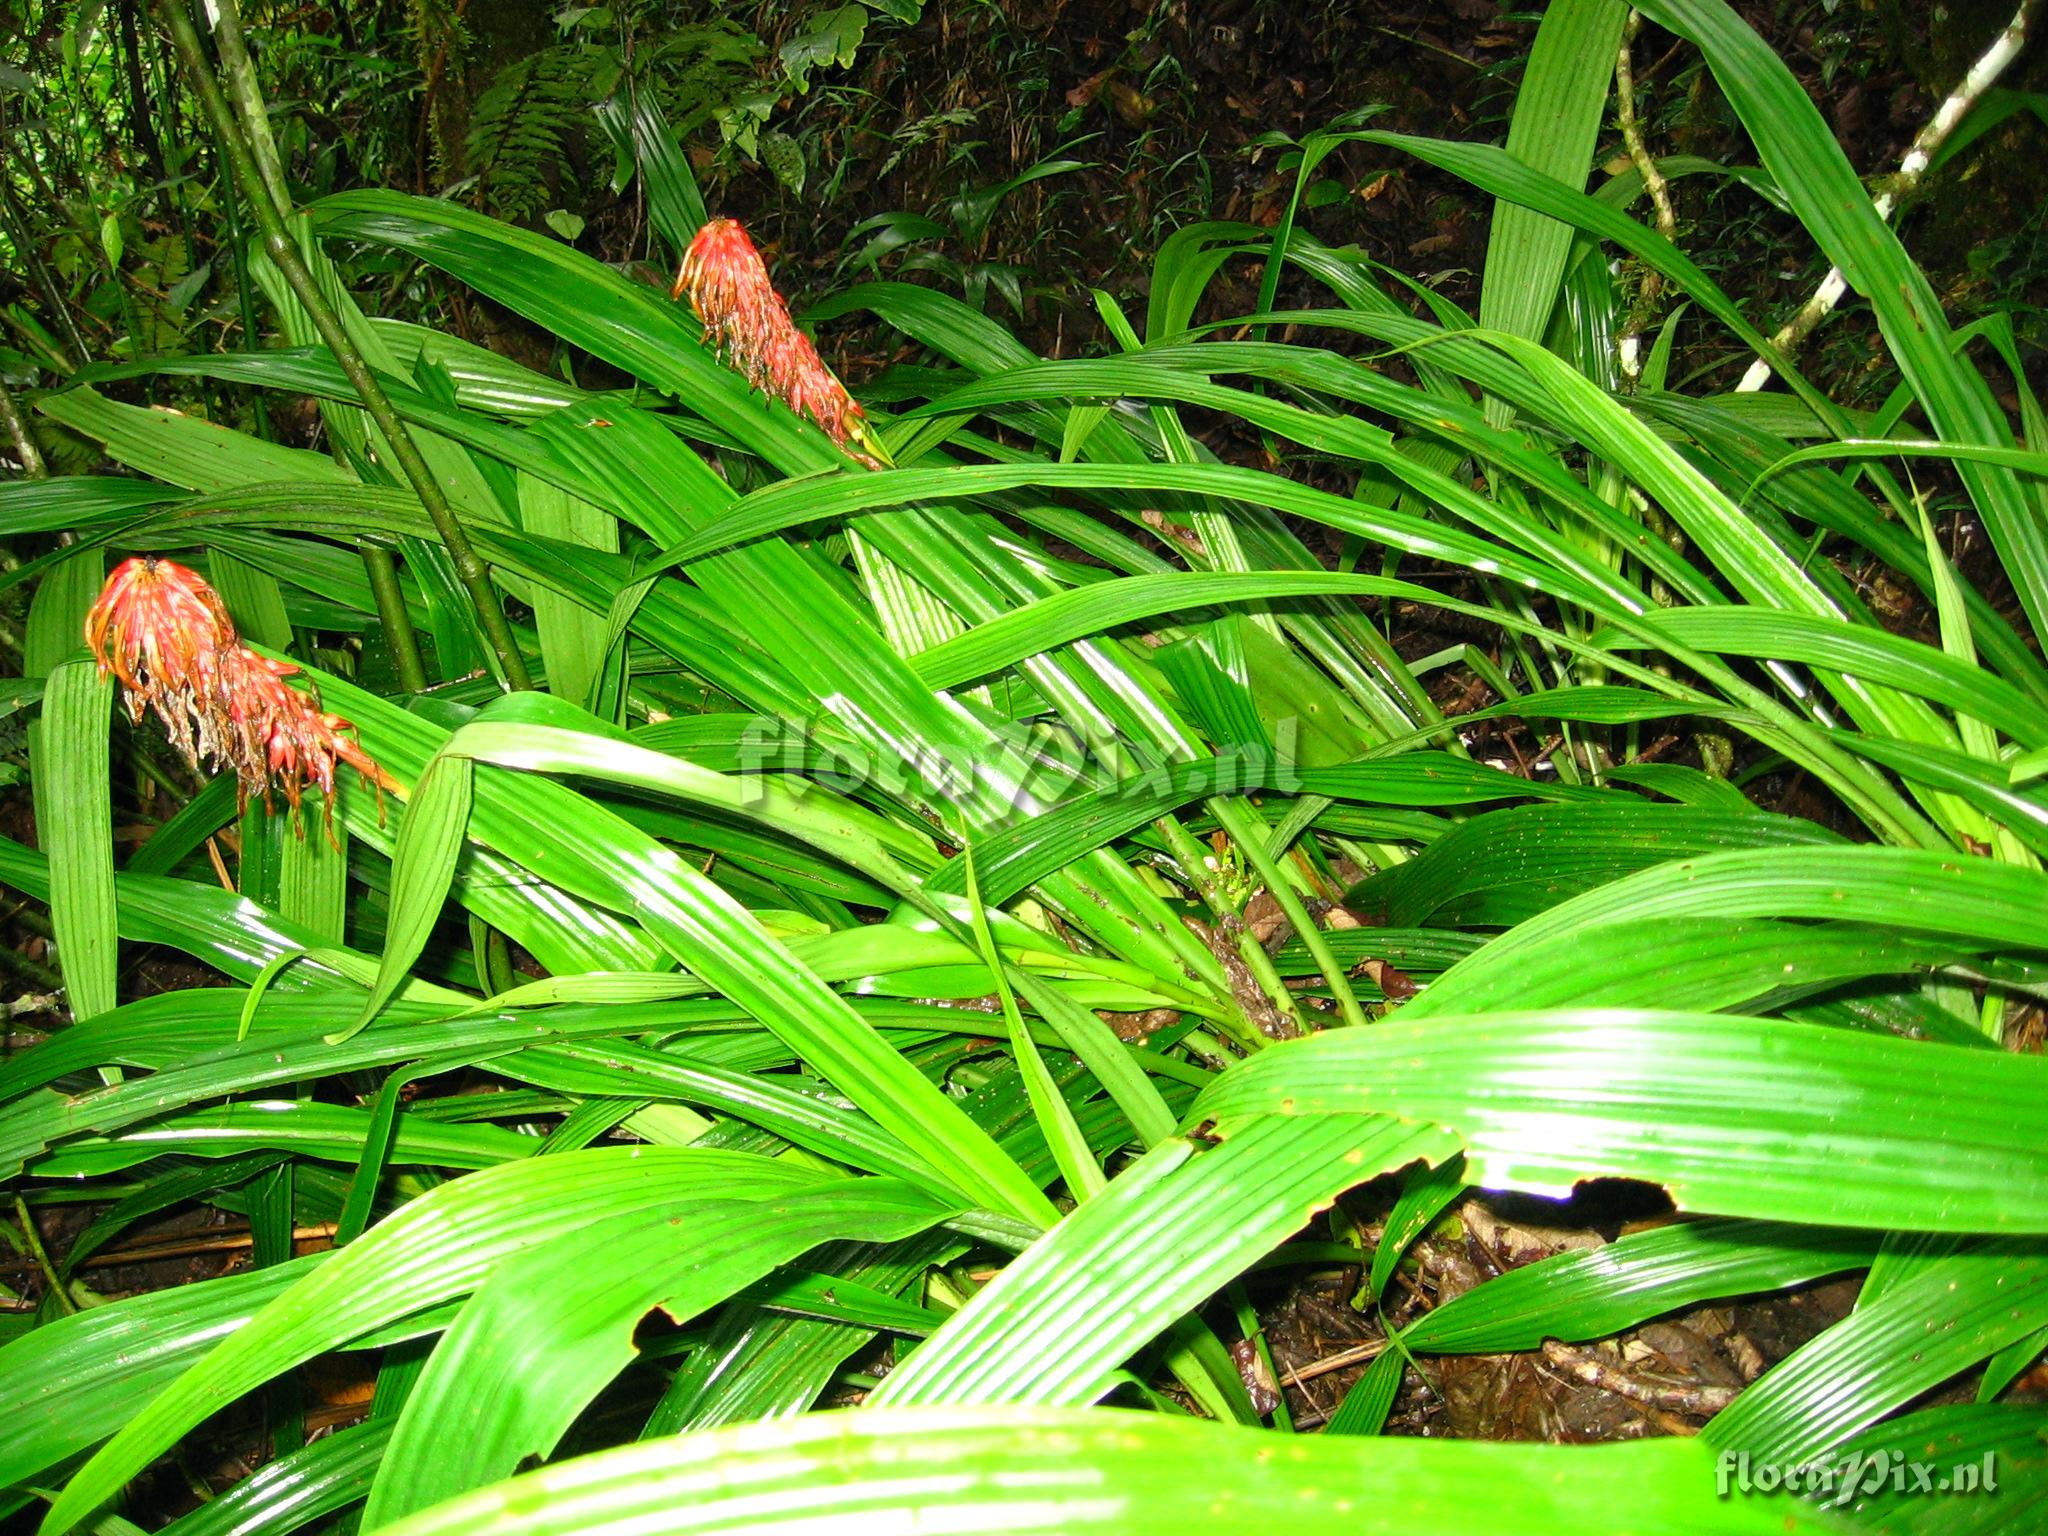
{"points": [[165, 634], [747, 322]]}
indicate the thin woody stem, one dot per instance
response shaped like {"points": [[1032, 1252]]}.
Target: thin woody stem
{"points": [[378, 565], [284, 253], [1629, 345], [1632, 130], [1912, 171], [393, 618], [32, 466], [247, 94]]}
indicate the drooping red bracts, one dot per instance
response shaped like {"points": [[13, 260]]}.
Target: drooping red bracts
{"points": [[166, 635], [746, 321]]}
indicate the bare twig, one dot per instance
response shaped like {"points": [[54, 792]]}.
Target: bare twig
{"points": [[1629, 344], [1912, 171], [1589, 1368], [37, 976], [220, 867], [1357, 1354], [213, 1242]]}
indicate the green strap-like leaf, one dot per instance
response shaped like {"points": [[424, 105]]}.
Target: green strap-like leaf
{"points": [[1733, 1116], [1973, 900], [1054, 1325], [74, 822], [1944, 1320], [1106, 1473], [1799, 150], [70, 1383], [1557, 118], [439, 1246], [1599, 1291], [553, 1326], [331, 1473], [429, 843]]}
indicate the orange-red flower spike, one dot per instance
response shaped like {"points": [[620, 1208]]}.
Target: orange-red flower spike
{"points": [[166, 635], [747, 323]]}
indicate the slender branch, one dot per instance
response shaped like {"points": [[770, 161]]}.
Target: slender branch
{"points": [[32, 466], [378, 565], [139, 115], [247, 93], [1632, 132], [1253, 847], [284, 253], [245, 288], [39, 977], [1912, 171], [1629, 345], [34, 1239], [392, 616]]}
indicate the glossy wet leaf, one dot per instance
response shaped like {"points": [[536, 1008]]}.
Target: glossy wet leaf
{"points": [[1115, 1473]]}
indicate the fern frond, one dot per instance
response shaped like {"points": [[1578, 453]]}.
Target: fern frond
{"points": [[524, 129]]}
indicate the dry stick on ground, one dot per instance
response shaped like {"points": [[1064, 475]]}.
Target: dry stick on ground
{"points": [[1912, 171], [1584, 1366], [1629, 346], [212, 1242], [1371, 1349]]}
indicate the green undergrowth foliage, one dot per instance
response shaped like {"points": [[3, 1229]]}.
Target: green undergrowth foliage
{"points": [[844, 977]]}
